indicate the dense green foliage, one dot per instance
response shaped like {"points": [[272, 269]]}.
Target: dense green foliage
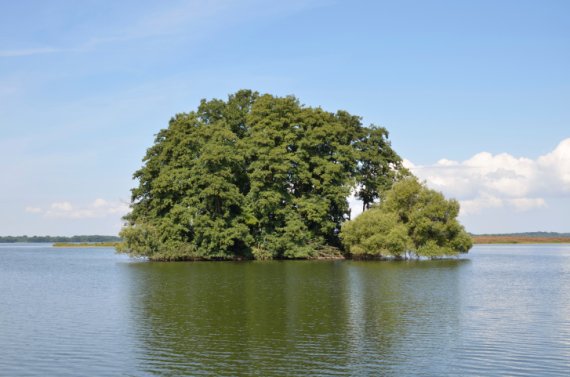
{"points": [[410, 220], [254, 176], [50, 239]]}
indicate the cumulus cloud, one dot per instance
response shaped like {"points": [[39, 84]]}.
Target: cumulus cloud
{"points": [[99, 208], [492, 181]]}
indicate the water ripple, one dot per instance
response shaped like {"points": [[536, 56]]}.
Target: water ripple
{"points": [[503, 311]]}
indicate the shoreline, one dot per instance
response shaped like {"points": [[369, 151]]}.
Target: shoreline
{"points": [[476, 241], [513, 240], [85, 244]]}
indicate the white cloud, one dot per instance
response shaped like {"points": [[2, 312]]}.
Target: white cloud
{"points": [[355, 206], [62, 206], [524, 204], [99, 208], [477, 204], [186, 17], [31, 209], [99, 203], [493, 181], [558, 163]]}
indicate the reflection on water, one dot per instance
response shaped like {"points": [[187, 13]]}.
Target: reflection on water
{"points": [[503, 310], [278, 318]]}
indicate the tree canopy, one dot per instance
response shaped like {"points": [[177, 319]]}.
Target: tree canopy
{"points": [[410, 220], [255, 176]]}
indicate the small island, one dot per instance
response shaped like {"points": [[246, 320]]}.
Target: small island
{"points": [[264, 177]]}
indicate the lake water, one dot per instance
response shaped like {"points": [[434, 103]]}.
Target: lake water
{"points": [[500, 310]]}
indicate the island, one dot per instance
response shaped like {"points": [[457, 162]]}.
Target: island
{"points": [[259, 176]]}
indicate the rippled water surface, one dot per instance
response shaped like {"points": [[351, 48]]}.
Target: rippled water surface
{"points": [[501, 310]]}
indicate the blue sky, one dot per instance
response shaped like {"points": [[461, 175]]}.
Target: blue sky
{"points": [[84, 86]]}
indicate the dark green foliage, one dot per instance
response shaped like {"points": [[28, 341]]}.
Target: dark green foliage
{"points": [[375, 168], [411, 219], [254, 176]]}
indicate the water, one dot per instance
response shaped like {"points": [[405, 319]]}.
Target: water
{"points": [[501, 310]]}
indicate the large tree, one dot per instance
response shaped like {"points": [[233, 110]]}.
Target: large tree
{"points": [[254, 176]]}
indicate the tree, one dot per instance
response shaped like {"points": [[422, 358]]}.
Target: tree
{"points": [[375, 170], [376, 234], [411, 219], [254, 176]]}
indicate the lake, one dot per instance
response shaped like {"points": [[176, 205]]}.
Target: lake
{"points": [[500, 310]]}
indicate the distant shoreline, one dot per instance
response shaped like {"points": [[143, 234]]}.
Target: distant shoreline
{"points": [[491, 239], [477, 240], [93, 238], [112, 241], [85, 244]]}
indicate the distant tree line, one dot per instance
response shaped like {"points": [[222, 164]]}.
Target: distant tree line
{"points": [[51, 239], [525, 234]]}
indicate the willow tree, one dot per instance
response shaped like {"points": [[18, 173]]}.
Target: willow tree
{"points": [[254, 176], [410, 220]]}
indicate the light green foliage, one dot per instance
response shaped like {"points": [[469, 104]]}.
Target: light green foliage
{"points": [[410, 219], [254, 176], [375, 233]]}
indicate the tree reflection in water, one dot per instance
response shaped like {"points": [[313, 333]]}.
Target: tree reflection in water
{"points": [[294, 317]]}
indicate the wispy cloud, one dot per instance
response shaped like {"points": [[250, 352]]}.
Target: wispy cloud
{"points": [[30, 209], [197, 15], [99, 208], [62, 207], [28, 52], [192, 18]]}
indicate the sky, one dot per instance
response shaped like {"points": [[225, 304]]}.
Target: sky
{"points": [[475, 95]]}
